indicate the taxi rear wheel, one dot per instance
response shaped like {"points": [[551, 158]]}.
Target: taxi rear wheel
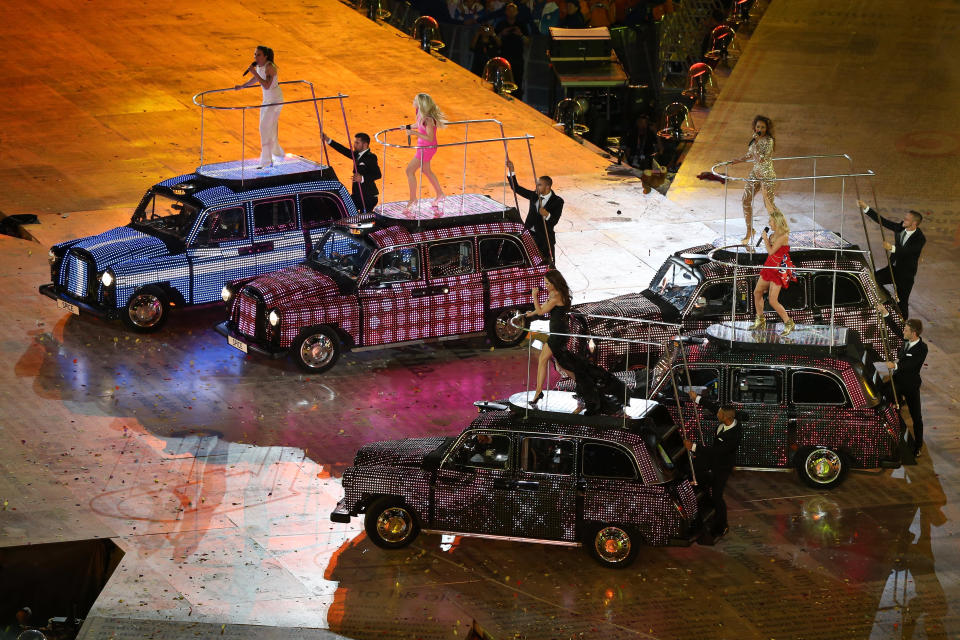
{"points": [[821, 467], [612, 545], [390, 523], [316, 349], [147, 310], [502, 332]]}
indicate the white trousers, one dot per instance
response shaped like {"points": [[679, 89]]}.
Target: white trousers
{"points": [[270, 150]]}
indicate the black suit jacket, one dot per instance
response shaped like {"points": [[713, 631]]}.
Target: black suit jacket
{"points": [[905, 257], [909, 363], [369, 170], [535, 221], [721, 456]]}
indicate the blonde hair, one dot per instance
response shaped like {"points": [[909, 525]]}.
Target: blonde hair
{"points": [[427, 108], [778, 220]]}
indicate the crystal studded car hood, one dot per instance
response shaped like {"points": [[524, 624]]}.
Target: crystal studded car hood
{"points": [[294, 284], [120, 245], [630, 305], [398, 453]]}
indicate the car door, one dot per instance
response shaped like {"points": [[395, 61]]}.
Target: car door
{"points": [[317, 212], [392, 296], [844, 299], [545, 491], [220, 252], [758, 393], [455, 288], [820, 409], [277, 239], [474, 487]]}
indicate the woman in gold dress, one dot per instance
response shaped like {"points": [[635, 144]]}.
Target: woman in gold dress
{"points": [[762, 176]]}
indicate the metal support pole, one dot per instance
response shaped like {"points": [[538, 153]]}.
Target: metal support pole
{"points": [[243, 143]]}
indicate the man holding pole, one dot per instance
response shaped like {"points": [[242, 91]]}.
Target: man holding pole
{"points": [[714, 463], [545, 210]]}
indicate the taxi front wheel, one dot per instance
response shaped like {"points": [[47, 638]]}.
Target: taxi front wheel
{"points": [[316, 349], [147, 310], [390, 523]]}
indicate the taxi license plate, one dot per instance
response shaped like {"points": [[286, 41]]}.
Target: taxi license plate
{"points": [[72, 308], [238, 344]]}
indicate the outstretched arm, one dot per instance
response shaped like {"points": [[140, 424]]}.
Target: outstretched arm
{"points": [[523, 193], [876, 217]]}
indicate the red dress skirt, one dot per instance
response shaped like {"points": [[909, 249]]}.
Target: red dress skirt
{"points": [[778, 268]]}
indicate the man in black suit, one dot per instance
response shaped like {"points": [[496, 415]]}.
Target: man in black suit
{"points": [[545, 210], [904, 252], [366, 172], [906, 377], [714, 463]]}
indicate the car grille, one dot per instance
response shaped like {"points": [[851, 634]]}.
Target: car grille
{"points": [[78, 275], [251, 315]]}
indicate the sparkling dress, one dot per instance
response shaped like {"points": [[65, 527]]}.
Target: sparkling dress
{"points": [[762, 176]]}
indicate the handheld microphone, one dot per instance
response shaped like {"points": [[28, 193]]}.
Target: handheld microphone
{"points": [[765, 229], [248, 68]]}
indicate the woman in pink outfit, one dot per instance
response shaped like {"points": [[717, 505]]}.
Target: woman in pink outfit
{"points": [[429, 118]]}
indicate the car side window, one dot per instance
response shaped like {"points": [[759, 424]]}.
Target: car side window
{"points": [[500, 253], [849, 290], [713, 300], [812, 387], [449, 259], [225, 225], [705, 381], [484, 451], [606, 461], [274, 216], [401, 265], [547, 455], [757, 386], [792, 298], [317, 210]]}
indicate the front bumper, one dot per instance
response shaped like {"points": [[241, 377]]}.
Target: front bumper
{"points": [[236, 339], [340, 514], [51, 292]]}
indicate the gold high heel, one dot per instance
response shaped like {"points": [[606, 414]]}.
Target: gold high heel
{"points": [[788, 326], [759, 323], [747, 240]]}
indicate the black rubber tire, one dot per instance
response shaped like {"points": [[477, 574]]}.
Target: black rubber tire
{"points": [[147, 311], [390, 523], [821, 467], [501, 333], [615, 557], [316, 349]]}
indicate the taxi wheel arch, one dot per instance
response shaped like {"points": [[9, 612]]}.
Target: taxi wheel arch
{"points": [[501, 333], [147, 310], [821, 467], [316, 349], [390, 523], [613, 545]]}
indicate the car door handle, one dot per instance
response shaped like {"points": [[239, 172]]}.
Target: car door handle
{"points": [[505, 484], [260, 247], [429, 291], [527, 485]]}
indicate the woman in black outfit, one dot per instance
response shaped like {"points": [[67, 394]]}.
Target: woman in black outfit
{"points": [[596, 389]]}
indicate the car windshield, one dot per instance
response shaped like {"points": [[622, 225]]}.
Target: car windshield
{"points": [[342, 252], [164, 214], [676, 282]]}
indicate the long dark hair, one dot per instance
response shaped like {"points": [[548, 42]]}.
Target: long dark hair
{"points": [[267, 53], [765, 120], [555, 278]]}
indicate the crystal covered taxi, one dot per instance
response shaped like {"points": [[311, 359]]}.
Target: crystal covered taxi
{"points": [[192, 234], [542, 475], [397, 279]]}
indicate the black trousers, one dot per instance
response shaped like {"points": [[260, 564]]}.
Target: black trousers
{"points": [[370, 201], [716, 481], [904, 285], [911, 398]]}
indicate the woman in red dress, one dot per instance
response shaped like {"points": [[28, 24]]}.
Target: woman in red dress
{"points": [[777, 273]]}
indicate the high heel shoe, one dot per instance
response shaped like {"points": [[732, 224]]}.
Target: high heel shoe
{"points": [[536, 399], [580, 407], [759, 323], [788, 327], [747, 240]]}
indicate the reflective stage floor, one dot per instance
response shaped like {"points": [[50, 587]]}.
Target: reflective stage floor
{"points": [[215, 472]]}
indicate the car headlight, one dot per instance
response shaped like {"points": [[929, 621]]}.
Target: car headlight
{"points": [[107, 279], [273, 317], [226, 293], [51, 256]]}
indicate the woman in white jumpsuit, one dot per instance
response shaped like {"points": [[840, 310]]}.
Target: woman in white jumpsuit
{"points": [[265, 73]]}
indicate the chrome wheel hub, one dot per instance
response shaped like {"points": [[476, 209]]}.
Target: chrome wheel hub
{"points": [[612, 544], [506, 331], [394, 524], [145, 310], [317, 350], [823, 466]]}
